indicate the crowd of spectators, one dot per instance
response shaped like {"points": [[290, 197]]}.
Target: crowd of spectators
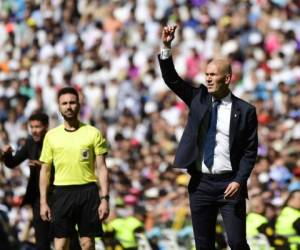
{"points": [[108, 51]]}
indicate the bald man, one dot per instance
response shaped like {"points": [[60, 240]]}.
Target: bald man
{"points": [[218, 148]]}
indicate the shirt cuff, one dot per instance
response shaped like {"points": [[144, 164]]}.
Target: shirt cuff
{"points": [[165, 53]]}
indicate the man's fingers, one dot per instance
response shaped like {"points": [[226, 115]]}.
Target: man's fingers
{"points": [[100, 214], [46, 215], [227, 194], [173, 28], [6, 149], [227, 189], [35, 163], [231, 190], [103, 214], [170, 29], [49, 215]]}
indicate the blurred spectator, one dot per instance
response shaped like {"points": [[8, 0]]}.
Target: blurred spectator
{"points": [[127, 224], [258, 224], [288, 220]]}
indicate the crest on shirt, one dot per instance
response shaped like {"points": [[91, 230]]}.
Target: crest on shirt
{"points": [[85, 154]]}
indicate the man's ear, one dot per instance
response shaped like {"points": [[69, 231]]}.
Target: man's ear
{"points": [[227, 78]]}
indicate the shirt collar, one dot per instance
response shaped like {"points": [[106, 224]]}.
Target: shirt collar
{"points": [[226, 99]]}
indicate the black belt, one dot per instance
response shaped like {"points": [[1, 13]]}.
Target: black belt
{"points": [[222, 176]]}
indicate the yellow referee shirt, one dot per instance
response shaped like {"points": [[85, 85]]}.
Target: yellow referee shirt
{"points": [[73, 153]]}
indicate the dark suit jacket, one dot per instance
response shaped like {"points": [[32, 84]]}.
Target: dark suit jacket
{"points": [[243, 140], [30, 150]]}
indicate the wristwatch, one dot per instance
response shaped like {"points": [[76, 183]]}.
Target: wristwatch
{"points": [[105, 197]]}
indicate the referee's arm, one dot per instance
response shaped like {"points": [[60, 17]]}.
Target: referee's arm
{"points": [[103, 179], [44, 184]]}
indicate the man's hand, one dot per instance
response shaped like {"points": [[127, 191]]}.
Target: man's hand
{"points": [[45, 212], [103, 209], [35, 163], [168, 35], [6, 149], [231, 190]]}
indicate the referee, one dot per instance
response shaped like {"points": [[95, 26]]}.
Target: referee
{"points": [[76, 150]]}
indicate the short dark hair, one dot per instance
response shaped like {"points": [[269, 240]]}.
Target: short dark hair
{"points": [[67, 90], [42, 117]]}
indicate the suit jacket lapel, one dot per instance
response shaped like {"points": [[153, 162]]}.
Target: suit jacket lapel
{"points": [[234, 120], [203, 106]]}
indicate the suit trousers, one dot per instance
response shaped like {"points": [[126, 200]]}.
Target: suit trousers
{"points": [[206, 195], [41, 228]]}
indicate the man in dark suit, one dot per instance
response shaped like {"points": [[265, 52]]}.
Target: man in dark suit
{"points": [[31, 150], [218, 148]]}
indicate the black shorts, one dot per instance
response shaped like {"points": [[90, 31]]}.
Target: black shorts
{"points": [[75, 205]]}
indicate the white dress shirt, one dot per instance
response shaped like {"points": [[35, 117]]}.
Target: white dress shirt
{"points": [[222, 162], [165, 53]]}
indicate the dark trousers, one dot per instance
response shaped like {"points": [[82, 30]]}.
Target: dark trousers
{"points": [[41, 229], [206, 193]]}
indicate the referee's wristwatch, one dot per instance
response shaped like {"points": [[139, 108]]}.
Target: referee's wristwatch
{"points": [[104, 197]]}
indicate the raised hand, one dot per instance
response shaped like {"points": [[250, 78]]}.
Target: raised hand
{"points": [[6, 149], [168, 35]]}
